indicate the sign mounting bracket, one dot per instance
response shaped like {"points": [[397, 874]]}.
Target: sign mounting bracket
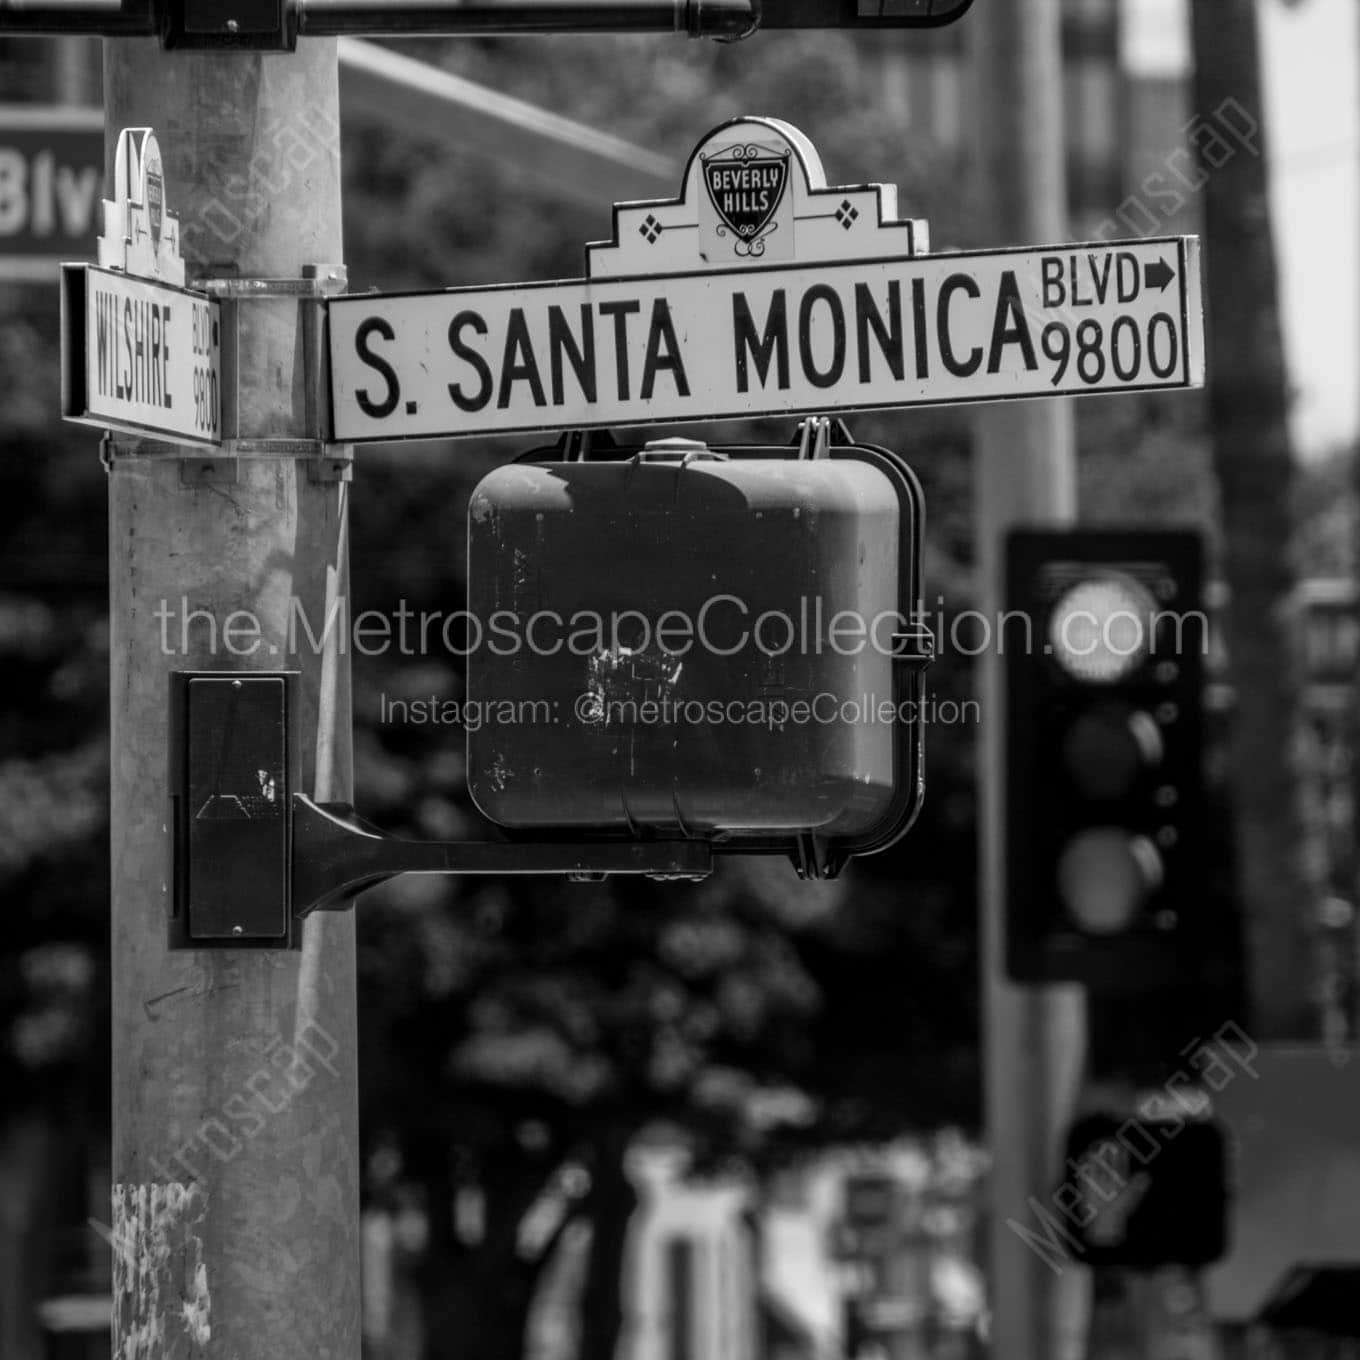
{"points": [[311, 288], [326, 461], [252, 856], [337, 855], [816, 434]]}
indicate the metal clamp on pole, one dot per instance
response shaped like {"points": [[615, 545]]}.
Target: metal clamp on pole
{"points": [[205, 466], [317, 282]]}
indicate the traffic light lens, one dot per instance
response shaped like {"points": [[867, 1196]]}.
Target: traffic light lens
{"points": [[1100, 629], [1104, 877], [1107, 748]]}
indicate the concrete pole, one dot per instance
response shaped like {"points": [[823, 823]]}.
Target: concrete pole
{"points": [[1024, 472], [235, 1125]]}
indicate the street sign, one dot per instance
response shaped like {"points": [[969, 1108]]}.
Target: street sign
{"points": [[871, 1201], [140, 352], [1326, 617], [51, 167], [762, 291], [146, 356]]}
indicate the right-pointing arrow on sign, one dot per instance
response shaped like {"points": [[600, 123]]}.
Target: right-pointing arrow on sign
{"points": [[1158, 274]]}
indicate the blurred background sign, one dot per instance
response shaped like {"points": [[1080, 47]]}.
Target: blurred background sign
{"points": [[51, 170], [1329, 634], [871, 1215], [1296, 1135]]}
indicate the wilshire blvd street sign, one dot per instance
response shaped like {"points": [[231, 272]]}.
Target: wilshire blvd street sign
{"points": [[761, 291], [150, 358], [139, 351]]}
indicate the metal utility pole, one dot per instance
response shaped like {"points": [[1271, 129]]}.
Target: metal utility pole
{"points": [[235, 1123], [1024, 473]]}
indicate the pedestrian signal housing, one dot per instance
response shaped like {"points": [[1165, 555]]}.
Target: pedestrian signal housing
{"points": [[688, 642]]}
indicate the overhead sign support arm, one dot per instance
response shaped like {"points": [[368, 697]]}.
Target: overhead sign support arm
{"points": [[337, 855], [276, 25]]}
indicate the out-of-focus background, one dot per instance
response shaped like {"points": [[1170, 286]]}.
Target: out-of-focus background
{"points": [[737, 1121]]}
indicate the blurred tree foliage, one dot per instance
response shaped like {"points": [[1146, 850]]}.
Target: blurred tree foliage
{"points": [[520, 1035], [54, 726], [515, 1036], [54, 1067]]}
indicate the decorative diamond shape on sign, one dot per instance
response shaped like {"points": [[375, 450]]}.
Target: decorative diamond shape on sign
{"points": [[650, 229], [846, 214]]}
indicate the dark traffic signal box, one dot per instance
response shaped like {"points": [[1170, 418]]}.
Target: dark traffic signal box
{"points": [[1104, 640]]}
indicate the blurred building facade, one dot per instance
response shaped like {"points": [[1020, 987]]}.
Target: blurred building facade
{"points": [[690, 1286], [1123, 125], [857, 1253]]}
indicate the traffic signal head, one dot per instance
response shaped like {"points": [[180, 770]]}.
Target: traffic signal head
{"points": [[1142, 1193], [690, 642], [1104, 639]]}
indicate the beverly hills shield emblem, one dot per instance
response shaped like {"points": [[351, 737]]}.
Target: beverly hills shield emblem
{"points": [[155, 203], [746, 187]]}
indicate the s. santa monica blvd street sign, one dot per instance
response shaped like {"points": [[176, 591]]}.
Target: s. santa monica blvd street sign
{"points": [[139, 351], [761, 291]]}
